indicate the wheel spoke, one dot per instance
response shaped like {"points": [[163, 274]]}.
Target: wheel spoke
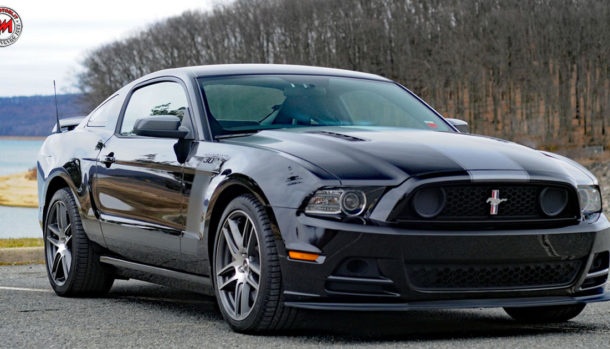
{"points": [[250, 280], [64, 267], [230, 243], [53, 228], [55, 267], [67, 229], [237, 236], [228, 282], [251, 241], [67, 260], [59, 212], [57, 215], [238, 295], [60, 222], [53, 241], [246, 235], [254, 267], [229, 267], [244, 306]]}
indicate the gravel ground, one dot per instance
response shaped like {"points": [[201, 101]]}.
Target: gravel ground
{"points": [[139, 314]]}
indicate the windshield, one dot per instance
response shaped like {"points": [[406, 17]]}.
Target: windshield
{"points": [[248, 103]]}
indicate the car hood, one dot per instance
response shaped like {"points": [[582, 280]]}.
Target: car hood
{"points": [[393, 155]]}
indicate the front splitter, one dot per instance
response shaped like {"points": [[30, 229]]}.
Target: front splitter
{"points": [[452, 304]]}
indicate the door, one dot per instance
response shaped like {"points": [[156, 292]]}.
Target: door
{"points": [[138, 185]]}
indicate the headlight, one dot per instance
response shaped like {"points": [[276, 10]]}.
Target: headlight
{"points": [[590, 200], [325, 202], [353, 202], [347, 201]]}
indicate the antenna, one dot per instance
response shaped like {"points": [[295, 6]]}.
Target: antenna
{"points": [[56, 109]]}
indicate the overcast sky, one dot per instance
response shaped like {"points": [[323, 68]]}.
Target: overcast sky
{"points": [[57, 34]]}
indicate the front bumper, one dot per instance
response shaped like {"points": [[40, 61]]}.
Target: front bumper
{"points": [[388, 283]]}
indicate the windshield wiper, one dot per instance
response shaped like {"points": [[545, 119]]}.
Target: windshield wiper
{"points": [[273, 110]]}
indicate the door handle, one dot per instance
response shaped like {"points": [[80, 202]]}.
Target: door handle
{"points": [[109, 160]]}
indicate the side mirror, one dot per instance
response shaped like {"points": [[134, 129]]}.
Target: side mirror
{"points": [[461, 125], [164, 126]]}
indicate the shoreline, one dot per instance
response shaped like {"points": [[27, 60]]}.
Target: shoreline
{"points": [[19, 190], [22, 138]]}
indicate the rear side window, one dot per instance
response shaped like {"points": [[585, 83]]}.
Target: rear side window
{"points": [[106, 115], [164, 98]]}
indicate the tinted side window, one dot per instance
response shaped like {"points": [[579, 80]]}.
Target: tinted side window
{"points": [[106, 114], [164, 98]]}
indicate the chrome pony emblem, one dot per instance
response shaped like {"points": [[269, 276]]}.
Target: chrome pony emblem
{"points": [[495, 201]]}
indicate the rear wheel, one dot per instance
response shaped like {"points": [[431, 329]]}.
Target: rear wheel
{"points": [[549, 314], [247, 273], [73, 266]]}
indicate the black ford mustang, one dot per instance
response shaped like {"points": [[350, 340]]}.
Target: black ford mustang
{"points": [[281, 188]]}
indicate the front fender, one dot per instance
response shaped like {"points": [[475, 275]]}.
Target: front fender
{"points": [[68, 160], [214, 169]]}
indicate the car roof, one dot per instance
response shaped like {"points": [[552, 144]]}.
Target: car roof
{"points": [[245, 69]]}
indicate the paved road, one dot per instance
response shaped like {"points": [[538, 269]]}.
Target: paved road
{"points": [[139, 314]]}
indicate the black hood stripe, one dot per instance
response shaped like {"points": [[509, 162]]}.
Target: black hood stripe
{"points": [[389, 156]]}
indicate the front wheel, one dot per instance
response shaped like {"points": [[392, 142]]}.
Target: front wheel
{"points": [[247, 275], [73, 265], [548, 314]]}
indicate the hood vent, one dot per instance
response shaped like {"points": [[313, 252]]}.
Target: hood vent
{"points": [[339, 135]]}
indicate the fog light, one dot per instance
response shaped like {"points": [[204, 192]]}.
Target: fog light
{"points": [[553, 201], [429, 202]]}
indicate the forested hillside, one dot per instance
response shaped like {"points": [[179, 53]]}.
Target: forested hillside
{"points": [[35, 115], [534, 71]]}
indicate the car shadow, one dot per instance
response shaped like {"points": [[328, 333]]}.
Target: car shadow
{"points": [[326, 327], [424, 325]]}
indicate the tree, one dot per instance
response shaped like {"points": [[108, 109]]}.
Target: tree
{"points": [[534, 71]]}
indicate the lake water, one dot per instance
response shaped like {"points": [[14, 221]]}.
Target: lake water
{"points": [[19, 222], [18, 156]]}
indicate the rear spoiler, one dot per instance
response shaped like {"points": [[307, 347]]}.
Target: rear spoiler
{"points": [[68, 124]]}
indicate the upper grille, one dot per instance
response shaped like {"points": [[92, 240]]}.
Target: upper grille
{"points": [[471, 201], [468, 204], [500, 276]]}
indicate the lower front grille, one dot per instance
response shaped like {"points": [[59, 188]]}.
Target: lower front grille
{"points": [[493, 276], [459, 205]]}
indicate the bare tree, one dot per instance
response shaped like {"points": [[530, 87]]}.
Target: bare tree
{"points": [[535, 71]]}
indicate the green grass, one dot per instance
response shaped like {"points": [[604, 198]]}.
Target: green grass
{"points": [[20, 263], [25, 242]]}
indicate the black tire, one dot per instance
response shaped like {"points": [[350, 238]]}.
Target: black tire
{"points": [[86, 275], [267, 312], [548, 314]]}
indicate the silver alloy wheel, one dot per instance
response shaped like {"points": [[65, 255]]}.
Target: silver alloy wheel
{"points": [[238, 265], [59, 243]]}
